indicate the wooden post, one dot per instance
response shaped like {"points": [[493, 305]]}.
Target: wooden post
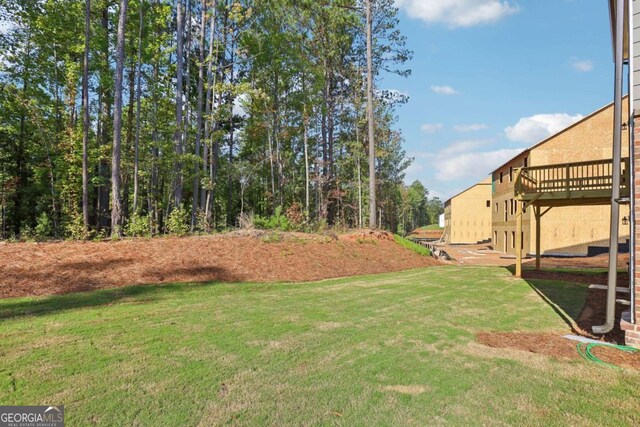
{"points": [[538, 219], [518, 239]]}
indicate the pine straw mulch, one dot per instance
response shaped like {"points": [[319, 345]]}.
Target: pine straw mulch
{"points": [[32, 269], [554, 345]]}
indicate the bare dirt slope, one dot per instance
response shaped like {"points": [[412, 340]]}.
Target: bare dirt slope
{"points": [[55, 268]]}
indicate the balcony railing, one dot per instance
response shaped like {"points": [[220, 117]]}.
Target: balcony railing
{"points": [[581, 180]]}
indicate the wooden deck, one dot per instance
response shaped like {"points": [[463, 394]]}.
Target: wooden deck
{"points": [[570, 184]]}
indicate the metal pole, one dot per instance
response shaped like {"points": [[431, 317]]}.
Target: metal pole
{"points": [[518, 241], [615, 188], [538, 235]]}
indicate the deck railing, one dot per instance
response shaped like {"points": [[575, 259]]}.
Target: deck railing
{"points": [[570, 180]]}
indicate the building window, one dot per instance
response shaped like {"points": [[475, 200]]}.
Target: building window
{"points": [[501, 177], [488, 203], [505, 243], [497, 207], [495, 238], [513, 239], [526, 162], [506, 210], [510, 173], [522, 240]]}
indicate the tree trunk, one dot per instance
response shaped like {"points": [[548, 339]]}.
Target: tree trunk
{"points": [[105, 95], [306, 161], [85, 119], [372, 145], [136, 148], [231, 124], [196, 175], [177, 190], [116, 208], [186, 117], [208, 154]]}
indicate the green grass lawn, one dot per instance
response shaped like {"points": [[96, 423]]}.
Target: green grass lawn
{"points": [[393, 349]]}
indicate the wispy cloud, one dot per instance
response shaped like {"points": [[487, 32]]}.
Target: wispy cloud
{"points": [[444, 90], [464, 146], [582, 65], [472, 165], [458, 13], [463, 160], [470, 128], [540, 126], [431, 127]]}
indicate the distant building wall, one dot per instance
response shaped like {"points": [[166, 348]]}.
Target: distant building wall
{"points": [[468, 215]]}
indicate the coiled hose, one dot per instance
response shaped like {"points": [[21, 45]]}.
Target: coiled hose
{"points": [[584, 349]]}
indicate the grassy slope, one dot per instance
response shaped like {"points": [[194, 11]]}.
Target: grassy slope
{"points": [[320, 353], [414, 247]]}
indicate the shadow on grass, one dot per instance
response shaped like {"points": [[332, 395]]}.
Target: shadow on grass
{"points": [[137, 294], [568, 294]]}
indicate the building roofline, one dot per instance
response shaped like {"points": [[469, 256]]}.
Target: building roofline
{"points": [[486, 181], [547, 139]]}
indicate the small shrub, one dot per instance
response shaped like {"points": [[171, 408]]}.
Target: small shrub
{"points": [[277, 221], [178, 222], [74, 229], [246, 221], [44, 228], [296, 215], [204, 224], [27, 234], [138, 226]]}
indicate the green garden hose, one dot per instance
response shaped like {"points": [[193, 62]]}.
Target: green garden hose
{"points": [[584, 350]]}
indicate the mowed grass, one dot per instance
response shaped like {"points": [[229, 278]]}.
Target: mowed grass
{"points": [[393, 349]]}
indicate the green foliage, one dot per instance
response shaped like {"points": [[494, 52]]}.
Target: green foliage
{"points": [[138, 226], [74, 229], [178, 222], [277, 221], [412, 246], [44, 227], [257, 50]]}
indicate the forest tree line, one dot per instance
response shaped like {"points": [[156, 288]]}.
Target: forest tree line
{"points": [[143, 117]]}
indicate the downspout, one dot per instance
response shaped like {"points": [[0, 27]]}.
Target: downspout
{"points": [[615, 186], [632, 178], [632, 218]]}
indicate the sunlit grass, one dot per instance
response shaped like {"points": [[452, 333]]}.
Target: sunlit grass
{"points": [[393, 349]]}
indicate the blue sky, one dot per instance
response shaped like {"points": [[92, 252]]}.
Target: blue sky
{"points": [[492, 77]]}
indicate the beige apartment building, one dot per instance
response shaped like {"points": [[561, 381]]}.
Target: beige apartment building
{"points": [[564, 230], [467, 215]]}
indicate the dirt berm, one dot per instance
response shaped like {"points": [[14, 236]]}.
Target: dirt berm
{"points": [[28, 269]]}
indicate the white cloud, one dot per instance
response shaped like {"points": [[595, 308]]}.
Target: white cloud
{"points": [[463, 146], [540, 126], [471, 165], [458, 13], [431, 127], [463, 160], [582, 65], [470, 128], [444, 90]]}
